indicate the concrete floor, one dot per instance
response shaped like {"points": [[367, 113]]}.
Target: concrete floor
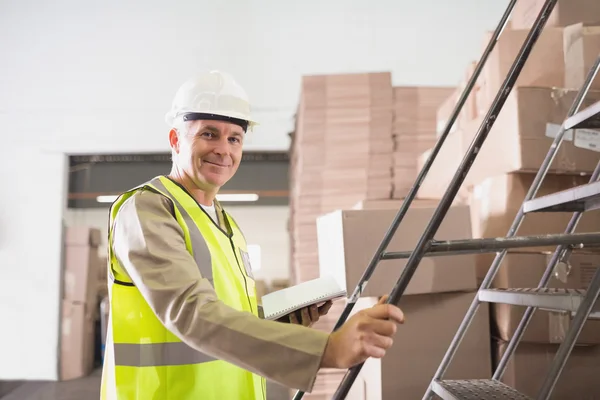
{"points": [[87, 388]]}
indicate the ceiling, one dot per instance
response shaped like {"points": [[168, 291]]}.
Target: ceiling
{"points": [[93, 175]]}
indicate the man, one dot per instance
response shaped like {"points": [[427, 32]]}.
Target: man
{"points": [[184, 319]]}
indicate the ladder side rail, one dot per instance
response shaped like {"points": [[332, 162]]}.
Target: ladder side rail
{"points": [[458, 178]]}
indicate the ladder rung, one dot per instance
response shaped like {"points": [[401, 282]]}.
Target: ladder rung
{"points": [[544, 298], [581, 198], [476, 389], [588, 118]]}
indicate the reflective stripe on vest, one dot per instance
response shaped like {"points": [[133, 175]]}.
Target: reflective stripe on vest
{"points": [[157, 354], [200, 250]]}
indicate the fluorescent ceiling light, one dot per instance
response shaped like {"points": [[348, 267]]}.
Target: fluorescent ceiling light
{"points": [[237, 197], [106, 199], [221, 197]]}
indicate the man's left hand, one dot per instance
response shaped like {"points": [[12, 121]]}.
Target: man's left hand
{"points": [[307, 316]]}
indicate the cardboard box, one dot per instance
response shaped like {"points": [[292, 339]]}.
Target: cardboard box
{"points": [[102, 283], [469, 110], [82, 266], [341, 153], [444, 112], [349, 238], [496, 201], [414, 131], [521, 136], [83, 236], [77, 341], [543, 68], [527, 370], [443, 168], [582, 47], [420, 344], [566, 12], [392, 204], [524, 270], [367, 385]]}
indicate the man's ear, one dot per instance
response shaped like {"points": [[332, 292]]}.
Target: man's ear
{"points": [[174, 140]]}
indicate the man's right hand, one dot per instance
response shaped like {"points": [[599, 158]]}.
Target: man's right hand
{"points": [[366, 334]]}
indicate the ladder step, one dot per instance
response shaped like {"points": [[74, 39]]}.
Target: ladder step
{"points": [[544, 298], [588, 118], [475, 389], [581, 198]]}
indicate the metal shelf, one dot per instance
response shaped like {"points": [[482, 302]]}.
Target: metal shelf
{"points": [[544, 298], [581, 198], [589, 118], [476, 389]]}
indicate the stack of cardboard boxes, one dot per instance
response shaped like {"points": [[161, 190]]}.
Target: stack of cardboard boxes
{"points": [[341, 154], [80, 301], [413, 131]]}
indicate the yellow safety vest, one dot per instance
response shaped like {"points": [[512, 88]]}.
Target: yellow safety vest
{"points": [[143, 359]]}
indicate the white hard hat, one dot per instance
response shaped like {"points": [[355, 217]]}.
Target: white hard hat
{"points": [[211, 95]]}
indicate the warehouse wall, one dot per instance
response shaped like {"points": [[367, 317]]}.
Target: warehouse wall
{"points": [[80, 77]]}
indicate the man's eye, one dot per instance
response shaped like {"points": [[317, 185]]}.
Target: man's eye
{"points": [[208, 134], [236, 140]]}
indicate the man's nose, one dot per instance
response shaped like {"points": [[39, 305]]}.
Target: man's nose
{"points": [[222, 146]]}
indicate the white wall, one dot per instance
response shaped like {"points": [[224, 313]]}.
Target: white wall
{"points": [[82, 76]]}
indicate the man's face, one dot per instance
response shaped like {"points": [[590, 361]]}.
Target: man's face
{"points": [[209, 152]]}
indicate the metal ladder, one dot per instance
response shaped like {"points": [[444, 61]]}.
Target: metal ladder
{"points": [[582, 303], [577, 200]]}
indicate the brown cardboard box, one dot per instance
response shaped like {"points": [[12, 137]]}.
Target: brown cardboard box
{"points": [[443, 168], [348, 239], [496, 201], [102, 283], [103, 268], [544, 67], [420, 344], [341, 153], [77, 340], [469, 110], [367, 385], [444, 112], [527, 370], [521, 136], [414, 129], [83, 236], [582, 47], [524, 270], [392, 204], [82, 266], [566, 12]]}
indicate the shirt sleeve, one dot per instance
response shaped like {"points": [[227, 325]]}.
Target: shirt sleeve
{"points": [[149, 244]]}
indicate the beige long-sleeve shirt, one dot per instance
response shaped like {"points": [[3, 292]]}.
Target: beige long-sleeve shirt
{"points": [[149, 244]]}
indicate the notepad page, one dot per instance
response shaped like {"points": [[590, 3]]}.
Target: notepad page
{"points": [[283, 302]]}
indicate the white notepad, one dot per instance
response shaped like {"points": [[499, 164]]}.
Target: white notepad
{"points": [[282, 302]]}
